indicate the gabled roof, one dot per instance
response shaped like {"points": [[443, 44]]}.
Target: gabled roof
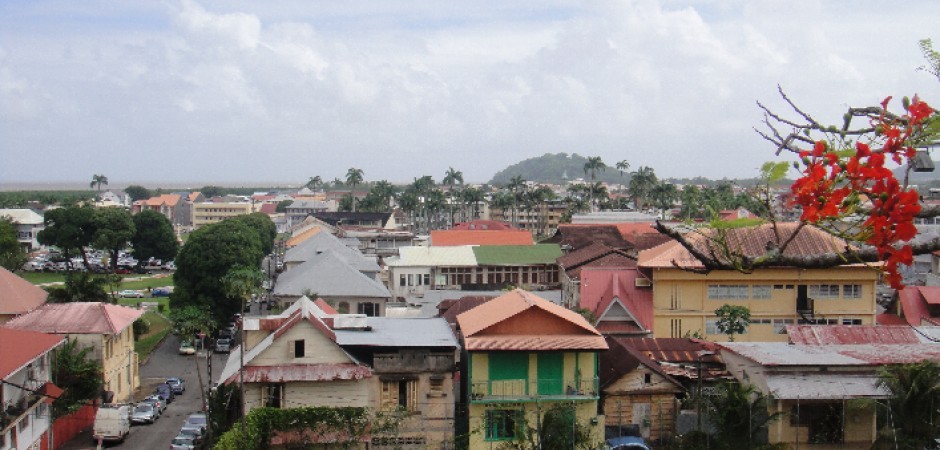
{"points": [[572, 262], [580, 236], [850, 334], [21, 347], [326, 307], [606, 290], [399, 333], [21, 216], [520, 320], [621, 359], [482, 225], [165, 199], [450, 309], [670, 350], [300, 238], [514, 255], [419, 256], [268, 208], [18, 296], [915, 302], [319, 243], [446, 238], [750, 241], [328, 275], [77, 318]]}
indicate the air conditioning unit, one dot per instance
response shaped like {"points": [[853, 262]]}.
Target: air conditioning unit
{"points": [[643, 282]]}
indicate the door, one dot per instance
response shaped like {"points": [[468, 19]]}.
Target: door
{"points": [[551, 373]]}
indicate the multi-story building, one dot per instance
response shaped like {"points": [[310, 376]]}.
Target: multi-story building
{"points": [[206, 213], [685, 298], [526, 356], [171, 206], [26, 388], [541, 221], [28, 225]]}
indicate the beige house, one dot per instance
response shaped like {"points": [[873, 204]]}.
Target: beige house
{"points": [[685, 301], [206, 213], [104, 327], [311, 356]]}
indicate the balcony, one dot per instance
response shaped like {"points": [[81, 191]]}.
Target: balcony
{"points": [[13, 411], [532, 390]]}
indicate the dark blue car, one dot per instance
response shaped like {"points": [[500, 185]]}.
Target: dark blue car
{"points": [[627, 443], [165, 392]]}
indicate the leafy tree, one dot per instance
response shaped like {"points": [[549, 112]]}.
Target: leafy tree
{"points": [[733, 319], [153, 236], [70, 229], [97, 181], [262, 225], [12, 255], [83, 287], [114, 229], [353, 179], [314, 182], [242, 282], [739, 414], [561, 429], [188, 322], [137, 192], [641, 184], [210, 253], [347, 202], [915, 394], [78, 374], [282, 205], [212, 191], [663, 196]]}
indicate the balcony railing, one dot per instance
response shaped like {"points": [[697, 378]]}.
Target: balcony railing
{"points": [[531, 390], [12, 411]]}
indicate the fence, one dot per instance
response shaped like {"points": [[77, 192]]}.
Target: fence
{"points": [[66, 427]]}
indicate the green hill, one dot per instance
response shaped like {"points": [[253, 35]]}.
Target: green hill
{"points": [[557, 168]]}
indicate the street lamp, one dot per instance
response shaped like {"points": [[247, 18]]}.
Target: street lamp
{"points": [[698, 359]]}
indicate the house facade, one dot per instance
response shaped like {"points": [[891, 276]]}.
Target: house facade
{"points": [[171, 206], [26, 389], [106, 328], [28, 225], [526, 356], [205, 213], [685, 301]]}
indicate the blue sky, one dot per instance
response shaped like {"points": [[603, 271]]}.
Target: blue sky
{"points": [[247, 92]]}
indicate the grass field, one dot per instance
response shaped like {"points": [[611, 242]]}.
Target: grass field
{"points": [[159, 327], [128, 281]]}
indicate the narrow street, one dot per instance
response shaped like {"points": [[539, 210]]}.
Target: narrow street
{"points": [[164, 362]]}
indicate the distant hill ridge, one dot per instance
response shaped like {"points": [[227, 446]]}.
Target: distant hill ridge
{"points": [[557, 168]]}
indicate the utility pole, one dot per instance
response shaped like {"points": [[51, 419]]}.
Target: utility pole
{"points": [[241, 372]]}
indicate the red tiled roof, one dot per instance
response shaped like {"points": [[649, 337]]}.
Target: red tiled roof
{"points": [[303, 372], [18, 296], [451, 238], [20, 347], [850, 334], [165, 199], [599, 288], [482, 225], [511, 321], [268, 208], [749, 241], [77, 318], [889, 319], [326, 307]]}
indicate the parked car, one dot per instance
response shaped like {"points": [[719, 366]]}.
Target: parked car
{"points": [[112, 423], [165, 392], [627, 443], [128, 293], [193, 430], [160, 292], [144, 413], [187, 348], [197, 420], [183, 442], [169, 265], [223, 345], [158, 403], [177, 385]]}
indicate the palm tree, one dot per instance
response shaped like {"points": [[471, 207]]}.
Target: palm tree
{"points": [[384, 190], [915, 394], [314, 182], [472, 197], [515, 186], [641, 183], [738, 412], [663, 196], [452, 177], [354, 178], [97, 181], [623, 166], [593, 164]]}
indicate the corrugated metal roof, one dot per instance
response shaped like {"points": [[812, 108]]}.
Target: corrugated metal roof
{"points": [[511, 304], [824, 386], [513, 255], [850, 334], [537, 342], [323, 242], [441, 238], [599, 288], [328, 275], [20, 347], [18, 296], [783, 354], [419, 256], [393, 332], [671, 350], [302, 372], [77, 318], [21, 216]]}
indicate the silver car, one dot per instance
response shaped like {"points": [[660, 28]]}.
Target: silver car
{"points": [[144, 413], [183, 442]]}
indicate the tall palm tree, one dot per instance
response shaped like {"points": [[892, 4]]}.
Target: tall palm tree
{"points": [[97, 181], [641, 182], [516, 186], [593, 164], [472, 197], [451, 178], [354, 178], [384, 190], [623, 166], [314, 182], [663, 196]]}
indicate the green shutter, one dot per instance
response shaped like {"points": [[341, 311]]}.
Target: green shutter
{"points": [[551, 373]]}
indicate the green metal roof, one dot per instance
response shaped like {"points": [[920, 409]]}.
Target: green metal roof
{"points": [[516, 255]]}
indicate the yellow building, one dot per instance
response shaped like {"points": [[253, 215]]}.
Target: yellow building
{"points": [[106, 328], [527, 356], [206, 213], [685, 300]]}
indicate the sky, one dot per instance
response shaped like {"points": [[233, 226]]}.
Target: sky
{"points": [[247, 92]]}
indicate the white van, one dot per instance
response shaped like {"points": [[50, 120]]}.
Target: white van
{"points": [[112, 423]]}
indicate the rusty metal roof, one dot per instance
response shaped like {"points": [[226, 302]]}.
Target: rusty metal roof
{"points": [[20, 347], [914, 301], [18, 296], [303, 372], [858, 355], [535, 342], [77, 318], [850, 334], [672, 350]]}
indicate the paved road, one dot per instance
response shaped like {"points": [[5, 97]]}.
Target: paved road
{"points": [[164, 362]]}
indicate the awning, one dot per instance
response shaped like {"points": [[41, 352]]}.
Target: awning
{"points": [[824, 386]]}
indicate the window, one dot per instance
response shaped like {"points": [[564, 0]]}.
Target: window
{"points": [[368, 308], [647, 378], [399, 394], [761, 291], [852, 290], [437, 383], [299, 348], [411, 279], [824, 290], [427, 279], [402, 280], [727, 291], [501, 424], [273, 395], [851, 321], [711, 327], [780, 325]]}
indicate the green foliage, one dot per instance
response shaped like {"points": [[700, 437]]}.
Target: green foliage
{"points": [[70, 229], [137, 192], [733, 319], [159, 328], [932, 56], [209, 254], [189, 320], [561, 429], [262, 225], [141, 327], [774, 172], [12, 255], [83, 287], [224, 408], [915, 394], [22, 199], [153, 237], [551, 168], [739, 414], [282, 205], [78, 374], [114, 229], [346, 425], [213, 191]]}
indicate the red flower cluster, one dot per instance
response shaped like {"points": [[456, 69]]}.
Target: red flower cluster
{"points": [[834, 183]]}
